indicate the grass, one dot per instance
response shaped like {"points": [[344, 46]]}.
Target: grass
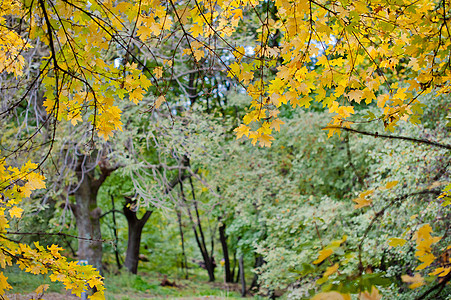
{"points": [[23, 283], [125, 286]]}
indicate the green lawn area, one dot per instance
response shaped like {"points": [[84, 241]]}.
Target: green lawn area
{"points": [[126, 286]]}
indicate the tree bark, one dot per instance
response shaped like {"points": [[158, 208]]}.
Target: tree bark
{"points": [[258, 263], [225, 251], [87, 213], [87, 217], [135, 227], [116, 238], [184, 259], [242, 279], [199, 236]]}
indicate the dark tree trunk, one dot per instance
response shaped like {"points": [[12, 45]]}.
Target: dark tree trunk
{"points": [[199, 236], [116, 238], [242, 279], [234, 268], [184, 259], [225, 251], [135, 227], [258, 263]]}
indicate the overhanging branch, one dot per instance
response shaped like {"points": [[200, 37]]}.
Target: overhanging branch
{"points": [[395, 137]]}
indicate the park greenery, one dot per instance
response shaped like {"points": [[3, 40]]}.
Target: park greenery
{"points": [[296, 149]]}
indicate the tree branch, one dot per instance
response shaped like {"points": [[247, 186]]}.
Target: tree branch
{"points": [[396, 137], [56, 233]]}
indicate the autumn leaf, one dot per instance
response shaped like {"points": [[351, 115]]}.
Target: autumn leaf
{"points": [[396, 242], [441, 271], [159, 101], [137, 95], [265, 140], [16, 212], [355, 95], [390, 185], [331, 270], [361, 201], [276, 124], [427, 259], [54, 250], [331, 296], [42, 288], [323, 254], [416, 280], [4, 285], [196, 30], [35, 181], [242, 130], [374, 295], [97, 296], [158, 72]]}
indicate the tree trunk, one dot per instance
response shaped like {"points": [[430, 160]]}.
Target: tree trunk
{"points": [[116, 238], [258, 263], [135, 227], [234, 268], [87, 213], [87, 217], [184, 259], [199, 236], [225, 251], [242, 279]]}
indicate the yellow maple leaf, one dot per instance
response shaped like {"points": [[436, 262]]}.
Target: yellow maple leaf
{"points": [[246, 76], [416, 280], [97, 296], [361, 201], [158, 72], [239, 52], [331, 270], [441, 271], [427, 259], [323, 254], [42, 288], [159, 101], [331, 296], [391, 184], [35, 181], [395, 242], [276, 124], [254, 135], [95, 281], [345, 111], [136, 95], [242, 130], [4, 285], [196, 30], [198, 54], [16, 212], [265, 128], [373, 296], [265, 140], [355, 95], [54, 250], [75, 116]]}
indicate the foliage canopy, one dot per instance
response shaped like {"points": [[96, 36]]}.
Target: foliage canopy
{"points": [[344, 55]]}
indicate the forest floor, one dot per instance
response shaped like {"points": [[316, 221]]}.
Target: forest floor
{"points": [[126, 287]]}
